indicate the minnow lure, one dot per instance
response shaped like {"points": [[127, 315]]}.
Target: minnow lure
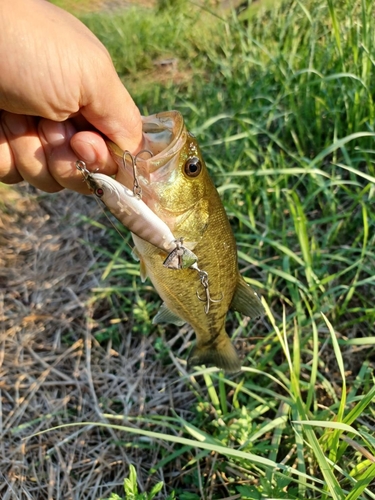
{"points": [[135, 215]]}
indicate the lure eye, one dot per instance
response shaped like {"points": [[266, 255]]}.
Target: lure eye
{"points": [[99, 192], [193, 167]]}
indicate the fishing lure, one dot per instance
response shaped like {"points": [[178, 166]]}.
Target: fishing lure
{"points": [[128, 207]]}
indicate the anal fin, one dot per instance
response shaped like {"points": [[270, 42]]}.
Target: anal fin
{"points": [[246, 300], [165, 315]]}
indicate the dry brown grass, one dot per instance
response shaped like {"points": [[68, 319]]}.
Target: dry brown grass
{"points": [[53, 371]]}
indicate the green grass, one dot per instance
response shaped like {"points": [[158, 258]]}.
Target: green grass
{"points": [[282, 102]]}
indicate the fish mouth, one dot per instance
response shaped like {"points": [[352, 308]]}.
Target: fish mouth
{"points": [[163, 129], [164, 135]]}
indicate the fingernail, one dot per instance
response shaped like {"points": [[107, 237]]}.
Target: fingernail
{"points": [[16, 124], [54, 132], [85, 151]]}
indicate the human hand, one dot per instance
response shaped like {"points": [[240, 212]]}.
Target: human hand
{"points": [[58, 88]]}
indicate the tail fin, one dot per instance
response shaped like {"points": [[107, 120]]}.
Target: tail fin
{"points": [[221, 354]]}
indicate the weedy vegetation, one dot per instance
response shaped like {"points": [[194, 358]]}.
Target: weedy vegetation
{"points": [[281, 99]]}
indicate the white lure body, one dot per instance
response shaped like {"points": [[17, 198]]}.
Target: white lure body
{"points": [[132, 212]]}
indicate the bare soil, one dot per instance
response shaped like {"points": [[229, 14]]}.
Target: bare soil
{"points": [[54, 372]]}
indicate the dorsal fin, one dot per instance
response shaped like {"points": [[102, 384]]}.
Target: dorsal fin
{"points": [[246, 300]]}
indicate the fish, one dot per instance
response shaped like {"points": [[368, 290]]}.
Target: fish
{"points": [[176, 185]]}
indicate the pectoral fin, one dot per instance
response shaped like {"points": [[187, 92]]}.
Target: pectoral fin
{"points": [[165, 315], [246, 300]]}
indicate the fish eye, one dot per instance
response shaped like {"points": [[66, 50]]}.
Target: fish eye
{"points": [[99, 192], [193, 167]]}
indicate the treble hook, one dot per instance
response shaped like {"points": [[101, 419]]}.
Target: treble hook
{"points": [[203, 276], [137, 190]]}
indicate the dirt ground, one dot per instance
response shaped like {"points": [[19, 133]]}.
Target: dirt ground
{"points": [[53, 371]]}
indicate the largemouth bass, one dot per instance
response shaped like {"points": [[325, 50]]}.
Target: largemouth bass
{"points": [[177, 187]]}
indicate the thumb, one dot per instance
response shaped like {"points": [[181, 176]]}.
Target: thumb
{"points": [[113, 112]]}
